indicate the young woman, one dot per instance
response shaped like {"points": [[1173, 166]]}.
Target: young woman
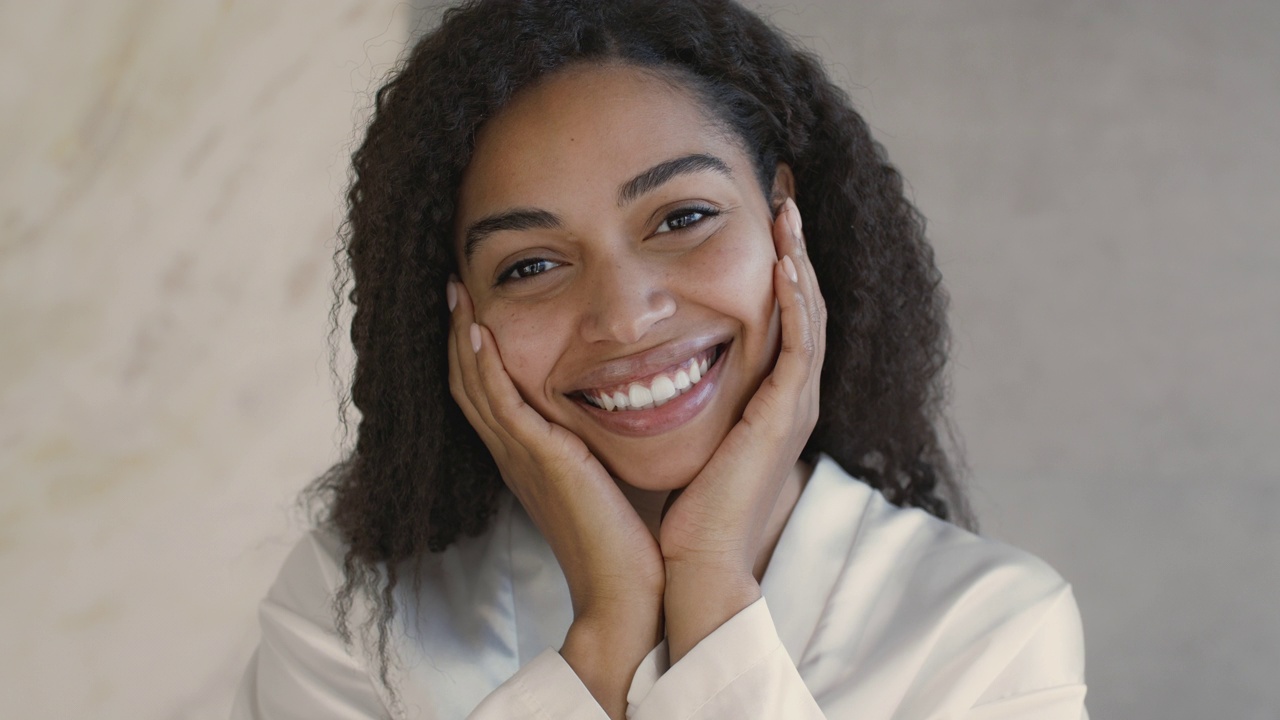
{"points": [[648, 350]]}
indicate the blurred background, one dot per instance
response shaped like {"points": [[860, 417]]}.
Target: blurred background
{"points": [[1102, 182]]}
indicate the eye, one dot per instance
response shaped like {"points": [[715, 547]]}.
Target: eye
{"points": [[524, 269], [685, 218]]}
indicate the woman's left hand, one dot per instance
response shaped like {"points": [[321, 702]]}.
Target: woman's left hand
{"points": [[713, 532]]}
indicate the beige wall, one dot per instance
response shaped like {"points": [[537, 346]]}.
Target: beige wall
{"points": [[1101, 183], [170, 175]]}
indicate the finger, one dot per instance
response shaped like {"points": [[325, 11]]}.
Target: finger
{"points": [[468, 361], [795, 362], [460, 320], [807, 280], [796, 248], [486, 379], [460, 357], [516, 417], [789, 242], [784, 233], [806, 275]]}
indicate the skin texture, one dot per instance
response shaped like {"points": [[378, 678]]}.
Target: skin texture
{"points": [[619, 282], [620, 287]]}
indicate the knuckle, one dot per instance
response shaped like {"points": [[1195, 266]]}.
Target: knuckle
{"points": [[504, 413], [510, 413], [809, 344], [801, 301]]}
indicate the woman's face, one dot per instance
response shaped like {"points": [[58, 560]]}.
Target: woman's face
{"points": [[616, 241]]}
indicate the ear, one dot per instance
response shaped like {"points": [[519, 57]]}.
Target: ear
{"points": [[784, 186]]}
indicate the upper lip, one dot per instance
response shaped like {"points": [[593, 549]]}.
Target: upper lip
{"points": [[646, 363]]}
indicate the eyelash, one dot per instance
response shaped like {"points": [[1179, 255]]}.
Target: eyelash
{"points": [[705, 212], [512, 272]]}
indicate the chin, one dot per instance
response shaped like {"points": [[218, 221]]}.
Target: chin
{"points": [[664, 468], [659, 482]]}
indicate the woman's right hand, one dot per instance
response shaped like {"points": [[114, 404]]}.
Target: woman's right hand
{"points": [[610, 559]]}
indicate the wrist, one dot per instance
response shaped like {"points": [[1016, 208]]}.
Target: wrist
{"points": [[604, 650], [699, 599]]}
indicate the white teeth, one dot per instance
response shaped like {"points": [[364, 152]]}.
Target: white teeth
{"points": [[663, 389], [660, 390], [640, 396], [682, 380]]}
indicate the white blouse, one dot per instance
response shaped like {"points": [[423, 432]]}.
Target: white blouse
{"points": [[870, 612]]}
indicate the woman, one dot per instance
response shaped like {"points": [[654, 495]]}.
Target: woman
{"points": [[586, 219]]}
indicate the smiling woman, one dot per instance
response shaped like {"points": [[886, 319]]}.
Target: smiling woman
{"points": [[687, 463], [653, 250]]}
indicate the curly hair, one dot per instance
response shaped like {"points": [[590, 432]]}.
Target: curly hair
{"points": [[419, 477]]}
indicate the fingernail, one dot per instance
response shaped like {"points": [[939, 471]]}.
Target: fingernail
{"points": [[793, 218], [475, 337], [790, 267], [451, 295]]}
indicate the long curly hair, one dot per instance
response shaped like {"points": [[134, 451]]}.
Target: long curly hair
{"points": [[419, 477]]}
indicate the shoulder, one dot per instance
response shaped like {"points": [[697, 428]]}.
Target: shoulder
{"points": [[310, 577], [947, 606], [932, 557], [315, 571], [303, 667]]}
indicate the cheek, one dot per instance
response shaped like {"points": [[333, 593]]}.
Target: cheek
{"points": [[528, 344], [736, 276]]}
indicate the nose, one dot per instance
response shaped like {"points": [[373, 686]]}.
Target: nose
{"points": [[627, 298]]}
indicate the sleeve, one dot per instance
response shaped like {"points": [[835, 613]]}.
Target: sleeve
{"points": [[741, 670], [1045, 680], [546, 688], [303, 670]]}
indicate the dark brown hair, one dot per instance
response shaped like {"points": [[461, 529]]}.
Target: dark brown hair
{"points": [[419, 477]]}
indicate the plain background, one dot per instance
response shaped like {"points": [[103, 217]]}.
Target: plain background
{"points": [[1101, 181]]}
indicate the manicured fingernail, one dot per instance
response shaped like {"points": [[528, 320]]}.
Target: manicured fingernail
{"points": [[475, 337], [451, 295], [790, 267], [793, 218]]}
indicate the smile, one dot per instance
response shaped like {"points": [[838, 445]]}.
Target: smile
{"points": [[650, 416], [657, 390]]}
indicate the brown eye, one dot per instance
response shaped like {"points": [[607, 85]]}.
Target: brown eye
{"points": [[685, 218], [524, 269]]}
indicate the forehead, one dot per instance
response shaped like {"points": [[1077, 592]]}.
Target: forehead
{"points": [[587, 129]]}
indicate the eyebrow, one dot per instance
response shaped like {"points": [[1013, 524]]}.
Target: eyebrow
{"points": [[533, 219], [516, 220], [664, 172]]}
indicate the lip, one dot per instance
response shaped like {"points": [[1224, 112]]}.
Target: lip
{"points": [[668, 416], [646, 364]]}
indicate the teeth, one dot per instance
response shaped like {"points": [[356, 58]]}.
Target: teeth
{"points": [[640, 396], [682, 381], [661, 389]]}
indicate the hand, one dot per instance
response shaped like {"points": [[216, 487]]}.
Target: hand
{"points": [[610, 559], [714, 531]]}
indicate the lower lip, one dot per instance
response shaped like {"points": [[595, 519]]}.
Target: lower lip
{"points": [[669, 416]]}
